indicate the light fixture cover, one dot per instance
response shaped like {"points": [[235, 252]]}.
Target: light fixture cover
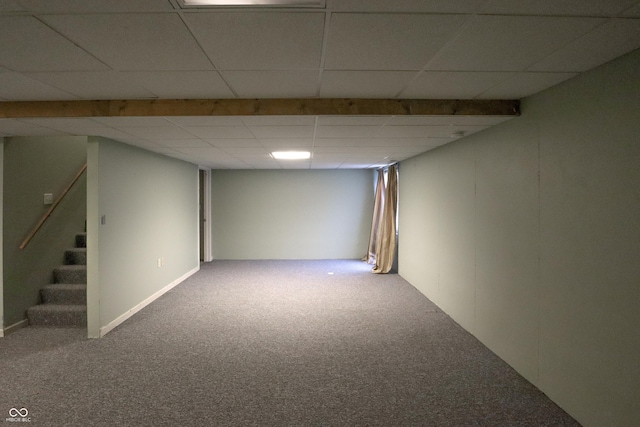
{"points": [[291, 155], [253, 3]]}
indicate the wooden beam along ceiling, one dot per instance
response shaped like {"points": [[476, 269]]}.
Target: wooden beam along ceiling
{"points": [[259, 107]]}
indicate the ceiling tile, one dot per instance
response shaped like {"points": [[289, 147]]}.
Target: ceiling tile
{"points": [[157, 133], [134, 41], [223, 132], [352, 120], [282, 131], [142, 143], [94, 85], [124, 122], [509, 43], [234, 142], [428, 132], [342, 142], [273, 84], [317, 164], [182, 84], [351, 165], [453, 85], [206, 121], [250, 152], [347, 131], [192, 143], [259, 41], [447, 120], [295, 164], [525, 84], [369, 142], [95, 6], [11, 6], [262, 163], [404, 131], [14, 127], [613, 39], [425, 6], [115, 134], [29, 45], [210, 153], [71, 126], [633, 12], [279, 120], [364, 84], [387, 41], [287, 144], [558, 8], [18, 87], [372, 155]]}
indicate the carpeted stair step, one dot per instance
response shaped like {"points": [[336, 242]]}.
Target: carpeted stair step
{"points": [[81, 240], [64, 294], [75, 256], [70, 274], [58, 315]]}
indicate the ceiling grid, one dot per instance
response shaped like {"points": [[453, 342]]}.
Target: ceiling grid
{"points": [[145, 50]]}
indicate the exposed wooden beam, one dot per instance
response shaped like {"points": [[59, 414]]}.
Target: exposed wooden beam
{"points": [[259, 107]]}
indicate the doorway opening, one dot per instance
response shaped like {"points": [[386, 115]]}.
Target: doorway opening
{"points": [[204, 214]]}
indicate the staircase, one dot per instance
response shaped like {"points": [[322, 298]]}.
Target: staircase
{"points": [[64, 303]]}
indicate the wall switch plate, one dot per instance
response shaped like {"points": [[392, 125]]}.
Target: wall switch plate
{"points": [[48, 198]]}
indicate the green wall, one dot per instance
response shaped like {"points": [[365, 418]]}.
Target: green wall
{"points": [[34, 166], [528, 235], [291, 214], [142, 207], [1, 237]]}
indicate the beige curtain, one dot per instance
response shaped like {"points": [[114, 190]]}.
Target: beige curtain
{"points": [[378, 207], [382, 242]]}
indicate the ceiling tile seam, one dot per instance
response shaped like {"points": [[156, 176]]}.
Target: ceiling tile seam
{"points": [[42, 20], [30, 76], [624, 12], [323, 50], [450, 41], [181, 127], [204, 52], [604, 22], [512, 76], [174, 4], [253, 134], [515, 75], [549, 15], [26, 122]]}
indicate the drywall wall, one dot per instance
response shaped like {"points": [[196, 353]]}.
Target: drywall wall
{"points": [[528, 235], [143, 229], [1, 234], [34, 166], [291, 214]]}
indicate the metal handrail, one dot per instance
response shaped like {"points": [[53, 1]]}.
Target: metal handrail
{"points": [[52, 208]]}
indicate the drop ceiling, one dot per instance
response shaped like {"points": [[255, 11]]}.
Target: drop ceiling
{"points": [[402, 49]]}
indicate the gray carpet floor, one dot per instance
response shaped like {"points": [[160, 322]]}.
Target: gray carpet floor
{"points": [[271, 343]]}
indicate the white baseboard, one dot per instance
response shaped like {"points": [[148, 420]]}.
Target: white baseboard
{"points": [[10, 329], [108, 328]]}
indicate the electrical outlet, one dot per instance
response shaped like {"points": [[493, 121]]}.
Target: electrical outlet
{"points": [[48, 198], [159, 262]]}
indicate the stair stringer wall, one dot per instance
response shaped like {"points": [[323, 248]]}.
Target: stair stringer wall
{"points": [[141, 207], [33, 166]]}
